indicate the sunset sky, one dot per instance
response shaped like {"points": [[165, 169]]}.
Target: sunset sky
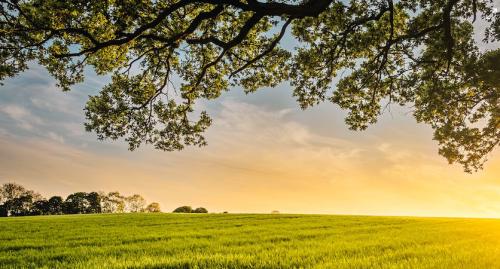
{"points": [[264, 154]]}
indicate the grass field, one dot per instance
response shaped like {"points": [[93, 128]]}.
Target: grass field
{"points": [[247, 241]]}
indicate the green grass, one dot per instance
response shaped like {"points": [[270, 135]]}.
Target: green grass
{"points": [[247, 241]]}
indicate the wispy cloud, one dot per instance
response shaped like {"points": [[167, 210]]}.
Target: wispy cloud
{"points": [[56, 137], [22, 117]]}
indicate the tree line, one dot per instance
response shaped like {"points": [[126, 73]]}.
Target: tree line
{"points": [[16, 200]]}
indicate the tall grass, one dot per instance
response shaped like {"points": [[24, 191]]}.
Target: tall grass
{"points": [[247, 241]]}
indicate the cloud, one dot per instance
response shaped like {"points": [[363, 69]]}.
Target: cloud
{"points": [[56, 137], [244, 122], [15, 112], [31, 106], [23, 117]]}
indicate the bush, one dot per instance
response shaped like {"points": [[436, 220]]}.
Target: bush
{"points": [[183, 209], [200, 210], [153, 208]]}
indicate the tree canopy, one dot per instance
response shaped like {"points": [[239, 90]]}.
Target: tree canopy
{"points": [[361, 55]]}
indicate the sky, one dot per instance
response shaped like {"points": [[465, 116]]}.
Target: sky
{"points": [[263, 154]]}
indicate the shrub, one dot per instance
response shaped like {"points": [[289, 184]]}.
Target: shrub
{"points": [[183, 209], [200, 210], [153, 208]]}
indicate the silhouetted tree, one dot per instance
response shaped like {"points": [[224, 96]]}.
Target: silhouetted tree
{"points": [[76, 203], [9, 191], [3, 211], [7, 207], [200, 210], [153, 208], [17, 200], [55, 205], [41, 207], [94, 201], [21, 206], [183, 209]]}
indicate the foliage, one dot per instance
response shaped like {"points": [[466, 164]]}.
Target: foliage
{"points": [[40, 207], [55, 205], [94, 201], [113, 202], [4, 212], [76, 203], [20, 206], [183, 209], [18, 201], [247, 241], [189, 209], [200, 210], [9, 191], [153, 208], [361, 55], [136, 203]]}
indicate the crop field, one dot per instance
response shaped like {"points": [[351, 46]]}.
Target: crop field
{"points": [[247, 241]]}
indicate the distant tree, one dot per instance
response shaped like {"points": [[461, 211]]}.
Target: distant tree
{"points": [[3, 211], [183, 209], [21, 206], [76, 203], [9, 191], [113, 202], [34, 195], [17, 200], [55, 205], [8, 207], [153, 208], [41, 207], [200, 210], [275, 212], [135, 203], [94, 201]]}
